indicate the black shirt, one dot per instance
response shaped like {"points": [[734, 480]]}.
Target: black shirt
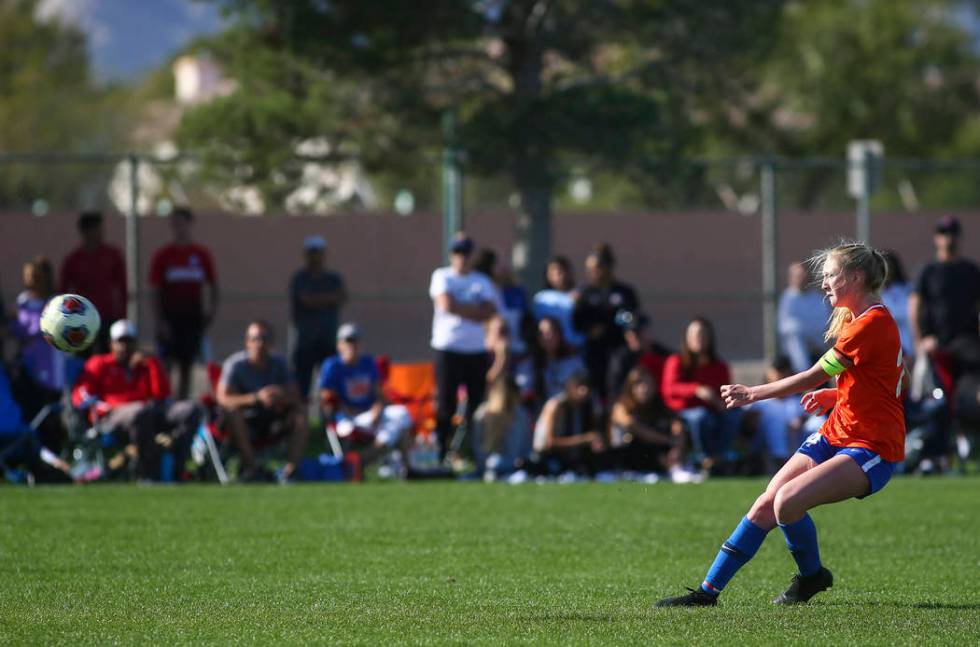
{"points": [[950, 297], [598, 307]]}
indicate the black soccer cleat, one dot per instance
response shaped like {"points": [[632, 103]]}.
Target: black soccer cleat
{"points": [[801, 589], [696, 598]]}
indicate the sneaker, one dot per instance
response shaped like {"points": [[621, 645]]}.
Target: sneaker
{"points": [[696, 598], [802, 588]]}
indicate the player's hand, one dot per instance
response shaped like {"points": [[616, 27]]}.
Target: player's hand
{"points": [[735, 395], [819, 402]]}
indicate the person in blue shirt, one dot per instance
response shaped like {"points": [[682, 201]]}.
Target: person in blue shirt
{"points": [[350, 390]]}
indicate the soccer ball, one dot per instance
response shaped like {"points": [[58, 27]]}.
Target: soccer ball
{"points": [[70, 322]]}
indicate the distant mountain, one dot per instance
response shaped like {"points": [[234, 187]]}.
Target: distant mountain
{"points": [[127, 38]]}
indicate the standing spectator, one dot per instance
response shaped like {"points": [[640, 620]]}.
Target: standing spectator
{"points": [[557, 299], [802, 316], [261, 402], [514, 308], [462, 300], [350, 389], [568, 434], [638, 351], [97, 271], [179, 272], [544, 374], [946, 298], [41, 371], [129, 392], [315, 295], [646, 435], [895, 295], [692, 384], [595, 314]]}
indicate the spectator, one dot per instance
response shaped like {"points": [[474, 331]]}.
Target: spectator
{"points": [[350, 389], [316, 295], [946, 298], [779, 421], [129, 392], [262, 403], [646, 434], [567, 436], [895, 295], [638, 351], [692, 383], [514, 309], [543, 376], [462, 301], [557, 299], [802, 316], [501, 426], [97, 271], [40, 378], [595, 314], [179, 272]]}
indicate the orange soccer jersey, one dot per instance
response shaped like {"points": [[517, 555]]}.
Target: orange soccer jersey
{"points": [[869, 411]]}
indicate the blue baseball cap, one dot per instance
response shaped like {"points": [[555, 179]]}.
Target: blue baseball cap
{"points": [[461, 246]]}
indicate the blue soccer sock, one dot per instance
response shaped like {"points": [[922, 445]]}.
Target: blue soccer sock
{"points": [[734, 554], [801, 539]]}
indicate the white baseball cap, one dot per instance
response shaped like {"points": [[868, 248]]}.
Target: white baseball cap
{"points": [[314, 242], [121, 329], [349, 330]]}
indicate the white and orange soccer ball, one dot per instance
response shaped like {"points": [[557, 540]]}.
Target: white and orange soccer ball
{"points": [[70, 322]]}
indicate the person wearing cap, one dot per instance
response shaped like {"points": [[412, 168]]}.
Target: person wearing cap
{"points": [[180, 273], [315, 296], [350, 392], [96, 270], [261, 403], [128, 392], [946, 297], [463, 300]]}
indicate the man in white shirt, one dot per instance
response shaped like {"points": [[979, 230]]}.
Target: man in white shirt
{"points": [[462, 300]]}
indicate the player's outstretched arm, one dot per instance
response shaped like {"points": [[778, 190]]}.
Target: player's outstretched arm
{"points": [[739, 395]]}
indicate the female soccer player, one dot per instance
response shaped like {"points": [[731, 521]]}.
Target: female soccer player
{"points": [[855, 451]]}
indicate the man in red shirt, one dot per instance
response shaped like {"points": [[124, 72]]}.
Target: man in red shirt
{"points": [[179, 272], [97, 271], [129, 392]]}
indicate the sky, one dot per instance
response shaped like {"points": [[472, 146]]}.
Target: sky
{"points": [[128, 38]]}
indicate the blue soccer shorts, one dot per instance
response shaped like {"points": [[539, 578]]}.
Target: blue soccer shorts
{"points": [[878, 470]]}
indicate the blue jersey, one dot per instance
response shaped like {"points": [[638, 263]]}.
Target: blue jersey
{"points": [[355, 384]]}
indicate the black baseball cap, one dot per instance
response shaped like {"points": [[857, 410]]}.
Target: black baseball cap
{"points": [[948, 225]]}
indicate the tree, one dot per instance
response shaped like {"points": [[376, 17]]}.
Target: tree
{"points": [[537, 87], [49, 102]]}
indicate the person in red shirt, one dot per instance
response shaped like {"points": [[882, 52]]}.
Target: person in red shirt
{"points": [[128, 392], [179, 274], [691, 383], [856, 449], [96, 271]]}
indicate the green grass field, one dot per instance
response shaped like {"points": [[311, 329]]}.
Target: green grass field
{"points": [[466, 563]]}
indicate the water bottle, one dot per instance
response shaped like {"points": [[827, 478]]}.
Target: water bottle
{"points": [[167, 467]]}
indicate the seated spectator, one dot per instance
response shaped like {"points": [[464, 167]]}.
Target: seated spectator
{"points": [[802, 319], [779, 421], [595, 314], [501, 426], [40, 375], [567, 436], [543, 375], [645, 434], [557, 299], [692, 383], [261, 402], [350, 390], [128, 392], [639, 350], [895, 295]]}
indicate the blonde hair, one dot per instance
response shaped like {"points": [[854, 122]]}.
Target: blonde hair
{"points": [[853, 257]]}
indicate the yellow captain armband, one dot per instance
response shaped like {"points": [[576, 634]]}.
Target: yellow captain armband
{"points": [[831, 365]]}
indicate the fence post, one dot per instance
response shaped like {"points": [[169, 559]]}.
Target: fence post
{"points": [[133, 243], [452, 184], [770, 259], [864, 200]]}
